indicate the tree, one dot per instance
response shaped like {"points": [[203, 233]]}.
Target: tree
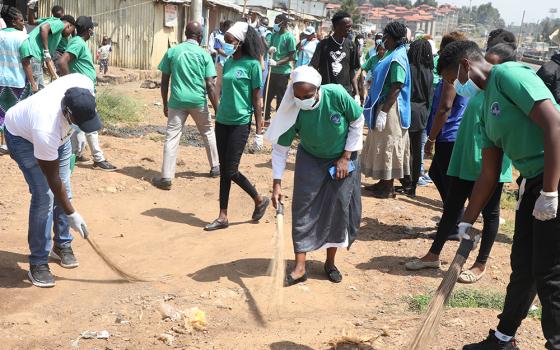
{"points": [[383, 3], [485, 14], [351, 6], [432, 3]]}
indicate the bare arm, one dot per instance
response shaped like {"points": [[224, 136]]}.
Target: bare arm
{"points": [[286, 59], [50, 170], [165, 91], [355, 83], [486, 184], [211, 91], [547, 117], [392, 97], [257, 105], [45, 30], [26, 62], [64, 63], [444, 109]]}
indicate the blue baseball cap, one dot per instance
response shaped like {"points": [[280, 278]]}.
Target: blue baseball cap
{"points": [[80, 103]]}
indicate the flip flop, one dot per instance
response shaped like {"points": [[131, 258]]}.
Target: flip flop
{"points": [[216, 225], [333, 274], [260, 209], [290, 281], [468, 277]]}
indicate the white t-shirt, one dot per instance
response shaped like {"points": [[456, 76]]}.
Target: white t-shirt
{"points": [[39, 119]]}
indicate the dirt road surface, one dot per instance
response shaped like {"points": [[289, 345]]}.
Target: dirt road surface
{"points": [[158, 235]]}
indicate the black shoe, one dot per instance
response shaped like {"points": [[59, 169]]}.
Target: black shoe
{"points": [[333, 274], [41, 276], [383, 193], [492, 343], [66, 256], [290, 281], [215, 171], [104, 165], [260, 209], [216, 225], [162, 184], [82, 159], [409, 191]]}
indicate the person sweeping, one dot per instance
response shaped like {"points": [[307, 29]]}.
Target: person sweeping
{"points": [[521, 120], [326, 208]]}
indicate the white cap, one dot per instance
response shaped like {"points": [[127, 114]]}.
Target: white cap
{"points": [[309, 30]]}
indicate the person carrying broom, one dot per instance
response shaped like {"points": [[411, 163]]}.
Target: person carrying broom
{"points": [[326, 209], [521, 120]]}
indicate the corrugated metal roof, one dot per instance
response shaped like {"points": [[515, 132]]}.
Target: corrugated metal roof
{"points": [[225, 4]]}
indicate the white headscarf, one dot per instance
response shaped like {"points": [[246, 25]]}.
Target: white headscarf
{"points": [[239, 30], [433, 45], [287, 113]]}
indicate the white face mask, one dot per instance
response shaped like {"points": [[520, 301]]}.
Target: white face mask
{"points": [[307, 104]]}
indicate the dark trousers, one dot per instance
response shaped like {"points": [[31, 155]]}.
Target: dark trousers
{"points": [[231, 141], [415, 157], [278, 84], [459, 191], [535, 265], [438, 169]]}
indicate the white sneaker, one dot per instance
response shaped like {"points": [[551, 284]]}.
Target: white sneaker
{"points": [[418, 264]]}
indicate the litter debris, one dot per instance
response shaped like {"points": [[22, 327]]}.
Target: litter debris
{"points": [[95, 335], [157, 104], [356, 342], [150, 84], [169, 312], [121, 320], [195, 319], [167, 339]]}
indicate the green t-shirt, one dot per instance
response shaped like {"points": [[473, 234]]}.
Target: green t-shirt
{"points": [[285, 43], [188, 65], [241, 78], [33, 46], [511, 92], [370, 63], [323, 130], [83, 61], [466, 160], [437, 78], [397, 74], [63, 44]]}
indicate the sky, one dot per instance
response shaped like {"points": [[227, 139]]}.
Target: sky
{"points": [[512, 10]]}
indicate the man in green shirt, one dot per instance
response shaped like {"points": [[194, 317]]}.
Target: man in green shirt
{"points": [[282, 52], [191, 72], [41, 45], [78, 59], [521, 120]]}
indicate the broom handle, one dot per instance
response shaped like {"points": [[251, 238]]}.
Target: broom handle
{"points": [[267, 87], [280, 209]]}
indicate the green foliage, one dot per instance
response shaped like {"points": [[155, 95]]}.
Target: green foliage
{"points": [[508, 200], [351, 6], [433, 3], [485, 14], [464, 298], [115, 108], [383, 3]]}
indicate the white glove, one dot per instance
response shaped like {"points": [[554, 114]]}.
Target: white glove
{"points": [[272, 62], [546, 206], [78, 224], [463, 233], [258, 142], [380, 121], [272, 50], [358, 99], [47, 55], [32, 4]]}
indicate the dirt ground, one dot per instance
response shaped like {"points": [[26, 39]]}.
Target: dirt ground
{"points": [[158, 235]]}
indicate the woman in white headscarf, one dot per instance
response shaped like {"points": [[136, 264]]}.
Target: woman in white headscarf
{"points": [[326, 208], [241, 87]]}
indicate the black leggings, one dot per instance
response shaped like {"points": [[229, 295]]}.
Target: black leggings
{"points": [[459, 191], [438, 169], [415, 156], [231, 141]]}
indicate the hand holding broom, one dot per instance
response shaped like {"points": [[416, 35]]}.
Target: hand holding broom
{"points": [[469, 240]]}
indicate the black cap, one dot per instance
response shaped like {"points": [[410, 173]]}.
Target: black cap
{"points": [[85, 22], [81, 105]]}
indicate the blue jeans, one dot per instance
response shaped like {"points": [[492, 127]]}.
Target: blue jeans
{"points": [[45, 213]]}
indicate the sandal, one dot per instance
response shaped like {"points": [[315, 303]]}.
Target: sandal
{"points": [[333, 274], [260, 209], [216, 225], [468, 277], [290, 281]]}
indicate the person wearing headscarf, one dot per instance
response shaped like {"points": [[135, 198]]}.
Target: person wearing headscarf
{"points": [[326, 208], [241, 90], [14, 87], [387, 111]]}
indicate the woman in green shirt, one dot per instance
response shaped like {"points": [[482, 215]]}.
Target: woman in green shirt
{"points": [[521, 120], [241, 86], [464, 168]]}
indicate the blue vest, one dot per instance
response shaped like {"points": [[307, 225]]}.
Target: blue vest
{"points": [[379, 76]]}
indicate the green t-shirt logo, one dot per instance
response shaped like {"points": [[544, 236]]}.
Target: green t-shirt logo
{"points": [[335, 118], [495, 109], [241, 74]]}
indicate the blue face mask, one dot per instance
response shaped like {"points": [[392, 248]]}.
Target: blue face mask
{"points": [[229, 49], [276, 27], [468, 89]]}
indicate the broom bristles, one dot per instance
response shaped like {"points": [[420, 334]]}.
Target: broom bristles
{"points": [[433, 315], [276, 268], [127, 276]]}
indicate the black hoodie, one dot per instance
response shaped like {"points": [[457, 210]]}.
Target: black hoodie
{"points": [[550, 74]]}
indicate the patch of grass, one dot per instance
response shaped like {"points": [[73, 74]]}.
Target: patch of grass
{"points": [[508, 228], [115, 108], [509, 200], [464, 298]]}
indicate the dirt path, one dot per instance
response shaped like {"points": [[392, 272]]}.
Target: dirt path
{"points": [[159, 235]]}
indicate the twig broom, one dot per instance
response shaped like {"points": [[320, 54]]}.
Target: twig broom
{"points": [[276, 269]]}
